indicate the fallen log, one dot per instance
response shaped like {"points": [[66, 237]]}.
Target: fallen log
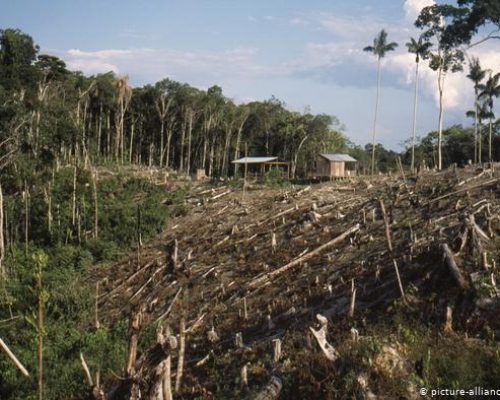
{"points": [[165, 314], [256, 282], [479, 185], [454, 269]]}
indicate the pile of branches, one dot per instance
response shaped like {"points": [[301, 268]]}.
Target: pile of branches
{"points": [[244, 269]]}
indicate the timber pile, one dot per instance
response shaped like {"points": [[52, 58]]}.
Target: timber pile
{"points": [[248, 273]]}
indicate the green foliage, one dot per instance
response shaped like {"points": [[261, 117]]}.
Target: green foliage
{"points": [[64, 263], [380, 46], [464, 19], [276, 177]]}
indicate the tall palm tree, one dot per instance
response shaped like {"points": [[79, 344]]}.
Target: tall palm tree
{"points": [[379, 49], [476, 74], [481, 113], [421, 49], [488, 91]]}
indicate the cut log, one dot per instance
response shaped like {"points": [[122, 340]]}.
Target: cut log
{"points": [[258, 281], [454, 269]]}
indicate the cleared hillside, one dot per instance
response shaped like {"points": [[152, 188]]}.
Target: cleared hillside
{"points": [[265, 262]]}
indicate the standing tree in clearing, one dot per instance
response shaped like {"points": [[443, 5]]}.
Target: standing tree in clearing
{"points": [[420, 48], [476, 74], [379, 49], [488, 91], [443, 60]]}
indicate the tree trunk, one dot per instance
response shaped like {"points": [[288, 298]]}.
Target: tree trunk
{"points": [[208, 126], [415, 109], [119, 129], [480, 143], [375, 117], [132, 130], [490, 139], [73, 198], [211, 157], [96, 213], [190, 134], [162, 129], [225, 154], [441, 77], [476, 123], [238, 143], [99, 132], [167, 148], [108, 135], [48, 200], [40, 328], [180, 361], [295, 158], [26, 217], [182, 144]]}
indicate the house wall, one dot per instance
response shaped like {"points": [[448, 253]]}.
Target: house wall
{"points": [[331, 169], [322, 167], [337, 169]]}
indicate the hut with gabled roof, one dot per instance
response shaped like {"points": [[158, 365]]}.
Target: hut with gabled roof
{"points": [[334, 166]]}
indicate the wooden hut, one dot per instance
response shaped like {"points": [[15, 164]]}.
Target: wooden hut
{"points": [[334, 166], [261, 165]]}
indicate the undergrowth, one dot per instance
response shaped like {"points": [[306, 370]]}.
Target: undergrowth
{"points": [[127, 208]]}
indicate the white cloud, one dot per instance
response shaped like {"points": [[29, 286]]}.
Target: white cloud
{"points": [[399, 66], [413, 8], [458, 91], [298, 21], [350, 28], [154, 64], [320, 55]]}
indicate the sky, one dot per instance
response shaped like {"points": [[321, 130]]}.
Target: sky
{"points": [[306, 53]]}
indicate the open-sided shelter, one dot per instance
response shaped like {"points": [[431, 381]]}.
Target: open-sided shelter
{"points": [[262, 164]]}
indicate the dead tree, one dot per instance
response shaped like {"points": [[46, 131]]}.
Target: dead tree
{"points": [[135, 324], [180, 361]]}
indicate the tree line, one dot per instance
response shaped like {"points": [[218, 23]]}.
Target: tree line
{"points": [[50, 113]]}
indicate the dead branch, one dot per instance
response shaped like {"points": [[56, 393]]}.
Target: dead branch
{"points": [[330, 352], [86, 370], [14, 359]]}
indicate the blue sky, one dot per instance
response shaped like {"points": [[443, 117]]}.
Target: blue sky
{"points": [[307, 53]]}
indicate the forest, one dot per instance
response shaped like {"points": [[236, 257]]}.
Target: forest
{"points": [[97, 185]]}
